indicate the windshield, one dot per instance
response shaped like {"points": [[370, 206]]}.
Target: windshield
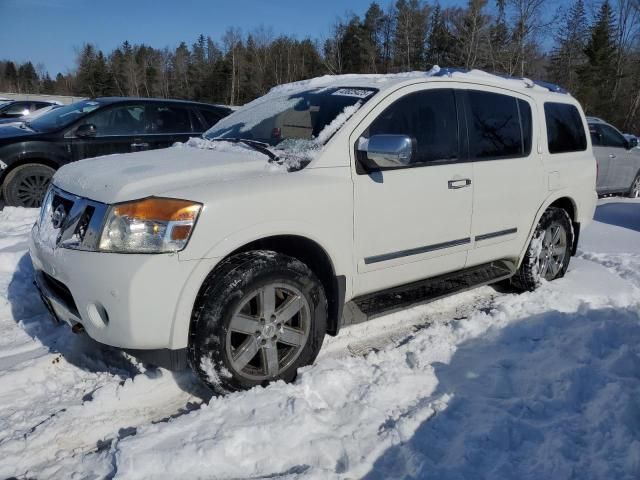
{"points": [[63, 116], [289, 119]]}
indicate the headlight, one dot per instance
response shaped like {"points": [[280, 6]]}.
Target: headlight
{"points": [[152, 225]]}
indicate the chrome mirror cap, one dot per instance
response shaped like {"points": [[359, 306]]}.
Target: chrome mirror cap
{"points": [[388, 150]]}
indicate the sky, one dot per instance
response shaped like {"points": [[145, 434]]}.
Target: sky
{"points": [[51, 31]]}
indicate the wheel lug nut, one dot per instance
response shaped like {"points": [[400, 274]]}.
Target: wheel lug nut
{"points": [[263, 342]]}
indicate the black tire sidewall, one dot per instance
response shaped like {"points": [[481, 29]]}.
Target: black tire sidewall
{"points": [[15, 178], [222, 293], [526, 277]]}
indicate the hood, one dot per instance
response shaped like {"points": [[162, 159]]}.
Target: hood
{"points": [[13, 130], [119, 178]]}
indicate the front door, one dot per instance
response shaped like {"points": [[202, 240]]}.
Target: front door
{"points": [[118, 129], [413, 222]]}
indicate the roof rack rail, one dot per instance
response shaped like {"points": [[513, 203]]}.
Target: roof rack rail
{"points": [[552, 87]]}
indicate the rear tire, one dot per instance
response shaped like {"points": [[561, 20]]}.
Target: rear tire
{"points": [[26, 185], [634, 191], [259, 316], [549, 252]]}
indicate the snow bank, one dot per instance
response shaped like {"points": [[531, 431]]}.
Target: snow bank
{"points": [[480, 385]]}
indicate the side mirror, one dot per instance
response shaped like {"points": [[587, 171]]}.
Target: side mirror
{"points": [[86, 130], [632, 143], [386, 151]]}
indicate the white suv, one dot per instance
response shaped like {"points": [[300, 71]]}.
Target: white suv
{"points": [[323, 203]]}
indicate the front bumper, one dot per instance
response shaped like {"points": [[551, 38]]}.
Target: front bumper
{"points": [[125, 301], [63, 311]]}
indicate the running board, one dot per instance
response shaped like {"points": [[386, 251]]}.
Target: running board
{"points": [[368, 307]]}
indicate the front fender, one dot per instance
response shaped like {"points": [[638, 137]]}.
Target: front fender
{"points": [[203, 266]]}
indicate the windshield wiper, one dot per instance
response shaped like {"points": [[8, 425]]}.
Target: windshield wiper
{"points": [[258, 146]]}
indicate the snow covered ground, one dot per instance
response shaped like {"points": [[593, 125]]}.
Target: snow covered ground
{"points": [[486, 384]]}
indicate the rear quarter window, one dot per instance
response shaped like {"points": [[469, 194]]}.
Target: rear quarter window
{"points": [[565, 130]]}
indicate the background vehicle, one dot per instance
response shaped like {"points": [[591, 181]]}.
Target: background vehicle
{"points": [[19, 108], [618, 159], [30, 116], [33, 150], [383, 192]]}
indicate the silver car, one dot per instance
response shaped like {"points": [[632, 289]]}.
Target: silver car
{"points": [[618, 160]]}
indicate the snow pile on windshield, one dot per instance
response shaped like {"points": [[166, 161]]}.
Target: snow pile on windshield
{"points": [[328, 131], [292, 153]]}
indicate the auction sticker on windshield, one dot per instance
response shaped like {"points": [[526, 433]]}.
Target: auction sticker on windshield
{"points": [[353, 92]]}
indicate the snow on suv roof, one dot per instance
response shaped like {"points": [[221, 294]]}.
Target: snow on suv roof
{"points": [[386, 81]]}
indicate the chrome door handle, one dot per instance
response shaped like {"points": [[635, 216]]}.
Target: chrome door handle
{"points": [[611, 155], [140, 145], [461, 183]]}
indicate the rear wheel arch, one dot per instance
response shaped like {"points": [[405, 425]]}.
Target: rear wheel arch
{"points": [[568, 204]]}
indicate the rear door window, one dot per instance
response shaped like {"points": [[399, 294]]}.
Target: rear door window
{"points": [[565, 131], [496, 129], [169, 119]]}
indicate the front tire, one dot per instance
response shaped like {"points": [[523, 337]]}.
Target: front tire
{"points": [[26, 185], [549, 252], [260, 316]]}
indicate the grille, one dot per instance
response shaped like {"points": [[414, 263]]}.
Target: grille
{"points": [[71, 221]]}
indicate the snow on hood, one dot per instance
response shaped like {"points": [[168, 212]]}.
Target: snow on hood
{"points": [[117, 178]]}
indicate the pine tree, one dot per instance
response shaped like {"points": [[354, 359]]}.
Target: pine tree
{"points": [[409, 35], [568, 54], [441, 45], [597, 76]]}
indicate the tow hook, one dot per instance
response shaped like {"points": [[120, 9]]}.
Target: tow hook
{"points": [[77, 328]]}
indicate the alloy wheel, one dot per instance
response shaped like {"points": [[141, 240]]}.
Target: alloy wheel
{"points": [[32, 189], [552, 252], [268, 331], [635, 189]]}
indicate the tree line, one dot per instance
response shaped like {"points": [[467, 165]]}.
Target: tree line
{"points": [[591, 49]]}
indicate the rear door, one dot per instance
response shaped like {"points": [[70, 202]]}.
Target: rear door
{"points": [[119, 128], [169, 123], [413, 222], [507, 172]]}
